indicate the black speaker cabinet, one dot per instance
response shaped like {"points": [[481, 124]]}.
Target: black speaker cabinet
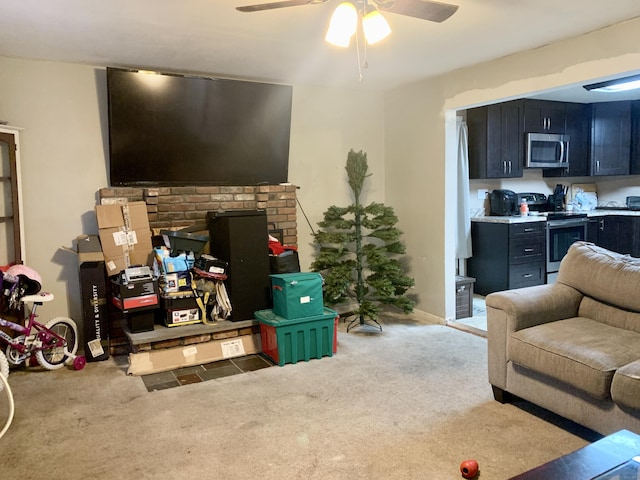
{"points": [[240, 238]]}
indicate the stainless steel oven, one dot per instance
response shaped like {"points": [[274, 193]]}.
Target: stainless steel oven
{"points": [[562, 230]]}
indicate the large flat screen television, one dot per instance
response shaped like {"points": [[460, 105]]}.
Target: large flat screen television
{"points": [[170, 130]]}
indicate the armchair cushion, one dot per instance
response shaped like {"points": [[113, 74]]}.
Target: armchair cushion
{"points": [[625, 389], [578, 351], [607, 276], [609, 314]]}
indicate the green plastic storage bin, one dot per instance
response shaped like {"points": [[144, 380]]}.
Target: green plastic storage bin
{"points": [[297, 295], [292, 340]]}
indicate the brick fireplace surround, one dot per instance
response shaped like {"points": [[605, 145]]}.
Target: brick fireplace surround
{"points": [[177, 207]]}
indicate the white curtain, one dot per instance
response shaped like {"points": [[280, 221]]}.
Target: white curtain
{"points": [[463, 237]]}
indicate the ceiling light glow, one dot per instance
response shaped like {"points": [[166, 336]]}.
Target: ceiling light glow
{"points": [[613, 86], [343, 25]]}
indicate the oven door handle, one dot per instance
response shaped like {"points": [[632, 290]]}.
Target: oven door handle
{"points": [[578, 222]]}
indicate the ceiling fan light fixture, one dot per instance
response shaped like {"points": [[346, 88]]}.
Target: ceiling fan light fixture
{"points": [[375, 27], [343, 25]]}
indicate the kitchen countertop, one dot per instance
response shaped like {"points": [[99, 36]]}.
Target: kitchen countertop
{"points": [[603, 212], [511, 219], [542, 218]]}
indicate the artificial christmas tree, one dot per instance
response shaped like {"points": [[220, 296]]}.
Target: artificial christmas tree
{"points": [[359, 250]]}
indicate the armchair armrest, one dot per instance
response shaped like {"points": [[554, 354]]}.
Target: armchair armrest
{"points": [[526, 307], [513, 310]]}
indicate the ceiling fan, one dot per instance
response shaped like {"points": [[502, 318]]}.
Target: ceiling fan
{"points": [[423, 9]]}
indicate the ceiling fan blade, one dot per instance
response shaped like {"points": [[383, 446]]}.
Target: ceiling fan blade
{"points": [[273, 5], [426, 10]]}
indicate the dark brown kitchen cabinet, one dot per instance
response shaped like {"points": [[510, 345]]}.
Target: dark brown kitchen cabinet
{"points": [[611, 138], [618, 233], [496, 140], [593, 228], [507, 256], [542, 116], [578, 127], [635, 137]]}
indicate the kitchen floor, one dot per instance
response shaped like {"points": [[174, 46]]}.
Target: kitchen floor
{"points": [[477, 324]]}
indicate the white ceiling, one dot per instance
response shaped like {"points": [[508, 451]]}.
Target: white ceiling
{"points": [[286, 45]]}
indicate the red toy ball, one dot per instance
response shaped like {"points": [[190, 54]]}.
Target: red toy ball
{"points": [[469, 468]]}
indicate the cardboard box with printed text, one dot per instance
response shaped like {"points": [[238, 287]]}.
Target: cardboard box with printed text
{"points": [[125, 235]]}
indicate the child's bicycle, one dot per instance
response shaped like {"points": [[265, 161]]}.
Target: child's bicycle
{"points": [[53, 344]]}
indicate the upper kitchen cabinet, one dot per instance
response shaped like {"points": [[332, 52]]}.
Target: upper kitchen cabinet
{"points": [[578, 127], [611, 138], [496, 140], [635, 137], [542, 116]]}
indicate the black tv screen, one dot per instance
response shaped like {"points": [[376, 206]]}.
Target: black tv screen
{"points": [[169, 130]]}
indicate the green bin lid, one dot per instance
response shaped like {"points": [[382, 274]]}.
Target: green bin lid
{"points": [[269, 318]]}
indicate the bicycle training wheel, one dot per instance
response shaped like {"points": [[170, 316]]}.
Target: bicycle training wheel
{"points": [[54, 357], [4, 368]]}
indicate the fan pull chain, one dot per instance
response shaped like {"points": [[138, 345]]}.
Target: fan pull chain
{"points": [[364, 63]]}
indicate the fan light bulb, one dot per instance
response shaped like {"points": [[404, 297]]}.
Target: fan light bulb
{"points": [[343, 25], [375, 27]]}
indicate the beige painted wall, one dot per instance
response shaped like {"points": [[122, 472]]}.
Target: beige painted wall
{"points": [[415, 176], [424, 139], [62, 108], [326, 124], [63, 165]]}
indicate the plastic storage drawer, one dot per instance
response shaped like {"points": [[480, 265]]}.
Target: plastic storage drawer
{"points": [[297, 295], [291, 340]]}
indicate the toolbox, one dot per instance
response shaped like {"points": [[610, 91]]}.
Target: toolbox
{"points": [[179, 310], [134, 288]]}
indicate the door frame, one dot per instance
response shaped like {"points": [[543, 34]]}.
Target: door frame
{"points": [[17, 195]]}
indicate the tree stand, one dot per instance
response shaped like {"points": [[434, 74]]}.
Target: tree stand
{"points": [[363, 322]]}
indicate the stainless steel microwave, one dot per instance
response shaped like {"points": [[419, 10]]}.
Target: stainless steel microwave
{"points": [[547, 150]]}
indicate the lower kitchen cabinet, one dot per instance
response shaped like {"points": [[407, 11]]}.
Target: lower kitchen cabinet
{"points": [[507, 255], [618, 233]]}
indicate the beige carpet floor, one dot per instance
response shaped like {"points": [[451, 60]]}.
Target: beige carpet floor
{"points": [[411, 402]]}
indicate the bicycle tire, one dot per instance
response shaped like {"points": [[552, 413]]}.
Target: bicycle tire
{"points": [[55, 358], [14, 357], [4, 368]]}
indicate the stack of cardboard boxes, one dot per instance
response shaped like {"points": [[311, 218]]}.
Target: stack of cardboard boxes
{"points": [[125, 237], [143, 296]]}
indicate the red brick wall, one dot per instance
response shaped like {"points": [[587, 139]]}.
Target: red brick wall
{"points": [[184, 206]]}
